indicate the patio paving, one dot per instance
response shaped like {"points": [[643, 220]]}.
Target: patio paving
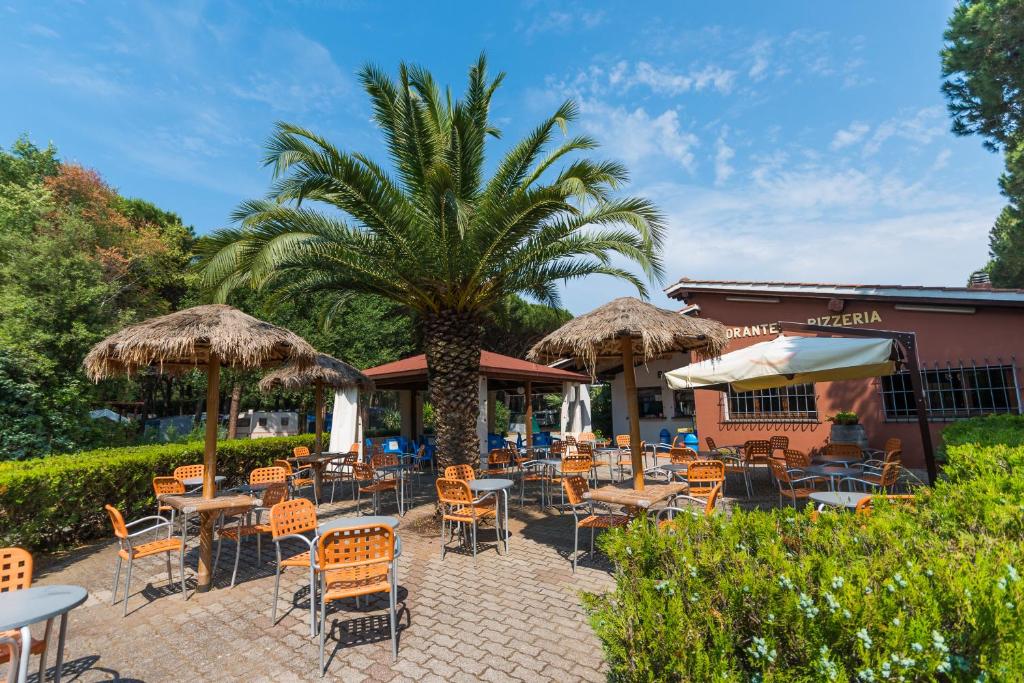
{"points": [[495, 618]]}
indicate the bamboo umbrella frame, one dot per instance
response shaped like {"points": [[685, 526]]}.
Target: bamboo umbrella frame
{"points": [[633, 331]]}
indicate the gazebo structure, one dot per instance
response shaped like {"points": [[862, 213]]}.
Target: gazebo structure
{"points": [[497, 373]]}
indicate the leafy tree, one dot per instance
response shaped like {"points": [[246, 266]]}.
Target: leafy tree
{"points": [[434, 234], [983, 64]]}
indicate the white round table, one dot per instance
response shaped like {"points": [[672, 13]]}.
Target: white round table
{"points": [[20, 609], [494, 486], [838, 499]]}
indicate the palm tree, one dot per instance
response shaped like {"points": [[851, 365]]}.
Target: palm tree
{"points": [[434, 233]]}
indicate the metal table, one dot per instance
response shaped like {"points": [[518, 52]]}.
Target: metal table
{"points": [[317, 462], [833, 472], [351, 522], [494, 486], [552, 465], [673, 469], [838, 499], [209, 510], [836, 460], [399, 471], [198, 481], [20, 609]]}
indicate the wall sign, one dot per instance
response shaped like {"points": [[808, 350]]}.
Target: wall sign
{"points": [[841, 320]]}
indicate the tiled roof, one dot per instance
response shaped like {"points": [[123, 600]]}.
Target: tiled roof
{"points": [[1010, 297], [490, 364]]}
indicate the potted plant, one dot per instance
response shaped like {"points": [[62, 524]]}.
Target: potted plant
{"points": [[846, 428]]}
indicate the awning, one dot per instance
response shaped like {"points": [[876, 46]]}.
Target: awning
{"points": [[784, 361]]}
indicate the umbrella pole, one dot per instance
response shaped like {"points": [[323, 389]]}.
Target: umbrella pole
{"points": [[318, 443], [529, 414], [203, 575], [629, 375]]}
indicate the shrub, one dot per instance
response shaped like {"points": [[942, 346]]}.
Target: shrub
{"points": [[924, 593], [56, 502]]}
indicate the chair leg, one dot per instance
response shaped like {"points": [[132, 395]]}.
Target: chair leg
{"points": [[323, 628], [394, 635], [474, 539], [127, 588], [575, 547], [312, 602], [170, 579], [238, 552], [117, 579], [277, 586], [181, 570], [444, 524], [592, 531]]}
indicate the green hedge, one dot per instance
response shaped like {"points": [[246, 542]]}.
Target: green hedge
{"points": [[56, 502], [930, 593]]}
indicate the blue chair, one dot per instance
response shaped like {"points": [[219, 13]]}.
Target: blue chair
{"points": [[394, 445], [496, 441]]}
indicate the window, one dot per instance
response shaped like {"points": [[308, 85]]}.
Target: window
{"points": [[953, 392], [261, 421], [284, 421], [684, 403], [785, 403], [649, 399]]}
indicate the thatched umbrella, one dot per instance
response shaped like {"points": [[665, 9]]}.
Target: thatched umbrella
{"points": [[202, 337], [631, 330], [326, 371]]}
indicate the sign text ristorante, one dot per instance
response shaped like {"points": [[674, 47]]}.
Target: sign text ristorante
{"points": [[838, 320]]}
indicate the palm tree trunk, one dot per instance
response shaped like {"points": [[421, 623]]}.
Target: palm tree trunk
{"points": [[452, 344], [236, 398]]}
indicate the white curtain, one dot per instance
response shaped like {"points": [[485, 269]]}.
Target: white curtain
{"points": [[345, 427], [584, 424]]}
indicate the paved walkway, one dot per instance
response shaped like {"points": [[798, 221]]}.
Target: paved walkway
{"points": [[495, 618]]}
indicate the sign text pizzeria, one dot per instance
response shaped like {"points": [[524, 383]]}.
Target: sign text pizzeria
{"points": [[840, 320]]}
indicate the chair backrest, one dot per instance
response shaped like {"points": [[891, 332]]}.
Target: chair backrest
{"points": [[354, 448], [295, 516], [285, 465], [890, 474], [844, 450], [349, 459], [499, 456], [15, 569], [300, 451], [796, 459], [117, 521], [586, 437], [461, 472], [266, 475], [377, 450], [679, 456], [379, 460], [453, 491], [556, 448], [577, 464], [189, 471], [165, 485], [356, 546], [622, 440], [893, 444], [570, 440], [780, 471], [895, 455], [575, 487], [757, 450], [716, 491], [702, 475], [867, 504], [585, 449], [779, 443], [711, 443], [274, 494], [362, 471]]}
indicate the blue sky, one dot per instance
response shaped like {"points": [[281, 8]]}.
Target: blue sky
{"points": [[790, 140]]}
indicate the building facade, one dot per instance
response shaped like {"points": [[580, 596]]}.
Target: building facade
{"points": [[970, 344]]}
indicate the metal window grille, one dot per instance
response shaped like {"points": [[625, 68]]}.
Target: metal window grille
{"points": [[796, 402], [953, 392]]}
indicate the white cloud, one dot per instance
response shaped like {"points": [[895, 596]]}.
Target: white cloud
{"points": [[622, 77], [563, 21], [761, 52], [921, 128], [941, 160], [634, 135], [850, 135], [723, 156], [42, 31]]}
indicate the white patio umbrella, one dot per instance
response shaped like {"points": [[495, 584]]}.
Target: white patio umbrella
{"points": [[790, 360]]}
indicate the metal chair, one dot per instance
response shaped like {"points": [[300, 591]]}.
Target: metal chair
{"points": [[166, 486], [355, 562], [291, 520], [190, 472], [796, 460], [791, 483], [574, 488], [672, 508], [458, 507], [778, 443], [297, 478], [131, 552], [703, 477], [499, 463], [275, 493], [16, 574], [344, 471], [374, 486], [461, 472], [867, 504], [884, 481], [574, 466]]}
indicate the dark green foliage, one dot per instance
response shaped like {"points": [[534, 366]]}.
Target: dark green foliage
{"points": [[601, 409], [57, 502], [929, 593]]}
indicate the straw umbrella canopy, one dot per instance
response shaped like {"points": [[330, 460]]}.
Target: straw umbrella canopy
{"points": [[326, 371], [635, 332], [199, 338]]}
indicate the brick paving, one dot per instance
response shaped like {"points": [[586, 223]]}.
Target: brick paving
{"points": [[514, 617]]}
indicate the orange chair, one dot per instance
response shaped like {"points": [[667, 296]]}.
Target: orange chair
{"points": [[166, 486], [458, 507], [300, 451], [791, 485], [499, 463], [297, 479], [190, 472], [778, 444], [263, 476], [703, 477], [840, 453], [129, 551], [15, 575], [715, 449], [625, 460], [875, 466], [586, 437], [344, 470], [885, 480], [355, 562], [574, 488], [682, 456], [292, 520], [796, 460], [527, 472], [672, 508], [461, 472], [574, 466], [867, 504], [891, 444], [373, 485], [276, 492]]}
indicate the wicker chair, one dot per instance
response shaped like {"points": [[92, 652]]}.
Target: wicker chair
{"points": [[276, 492], [875, 466], [16, 574], [129, 551], [355, 562], [368, 482], [723, 450], [779, 444], [574, 466], [796, 460], [673, 507], [574, 488], [791, 484], [528, 471], [891, 444], [292, 520], [458, 507], [840, 453]]}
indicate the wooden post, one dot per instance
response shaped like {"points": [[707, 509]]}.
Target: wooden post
{"points": [[629, 375], [318, 442], [529, 414], [204, 574]]}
